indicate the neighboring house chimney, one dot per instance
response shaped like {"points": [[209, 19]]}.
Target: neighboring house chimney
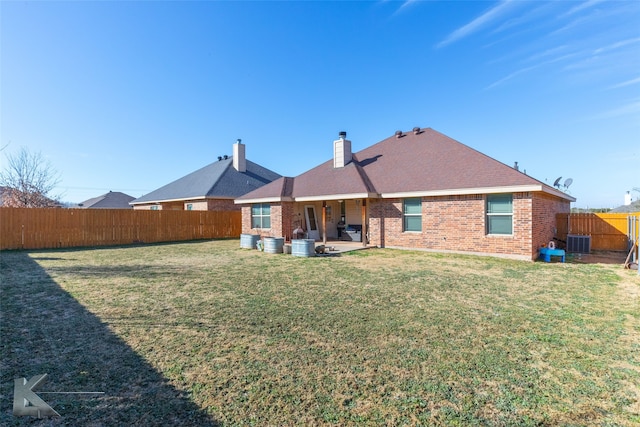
{"points": [[341, 151], [239, 159]]}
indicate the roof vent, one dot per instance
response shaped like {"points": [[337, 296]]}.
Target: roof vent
{"points": [[226, 157], [219, 158], [399, 134], [342, 135], [416, 130]]}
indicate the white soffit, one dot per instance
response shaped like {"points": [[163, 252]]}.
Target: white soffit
{"points": [[337, 197], [477, 190], [175, 200]]}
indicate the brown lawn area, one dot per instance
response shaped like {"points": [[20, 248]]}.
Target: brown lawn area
{"points": [[206, 333]]}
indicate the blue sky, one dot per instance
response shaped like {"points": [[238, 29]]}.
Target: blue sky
{"points": [[129, 96]]}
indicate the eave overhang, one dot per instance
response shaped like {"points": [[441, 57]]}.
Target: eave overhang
{"points": [[408, 194], [479, 190], [337, 197], [185, 199], [264, 200]]}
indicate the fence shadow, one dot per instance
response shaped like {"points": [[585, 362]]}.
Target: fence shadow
{"points": [[43, 329]]}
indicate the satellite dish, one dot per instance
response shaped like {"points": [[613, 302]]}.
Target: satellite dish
{"points": [[557, 182], [567, 183]]}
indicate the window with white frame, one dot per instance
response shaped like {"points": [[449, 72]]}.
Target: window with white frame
{"points": [[499, 214], [412, 214], [261, 215]]}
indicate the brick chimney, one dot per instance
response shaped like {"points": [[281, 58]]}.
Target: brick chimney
{"points": [[239, 159], [341, 151]]}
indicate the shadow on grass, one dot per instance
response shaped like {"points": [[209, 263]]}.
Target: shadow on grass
{"points": [[598, 257], [43, 329]]}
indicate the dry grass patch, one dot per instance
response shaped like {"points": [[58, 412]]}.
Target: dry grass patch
{"points": [[376, 337]]}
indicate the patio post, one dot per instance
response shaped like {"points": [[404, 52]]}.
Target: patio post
{"points": [[324, 222], [364, 222]]}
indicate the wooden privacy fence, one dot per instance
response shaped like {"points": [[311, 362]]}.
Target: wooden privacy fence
{"points": [[608, 231], [34, 228]]}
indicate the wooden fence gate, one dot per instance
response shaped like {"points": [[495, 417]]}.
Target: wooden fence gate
{"points": [[608, 231]]}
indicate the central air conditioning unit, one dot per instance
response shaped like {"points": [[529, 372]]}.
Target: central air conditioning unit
{"points": [[578, 244]]}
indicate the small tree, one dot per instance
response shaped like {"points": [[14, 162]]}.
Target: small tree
{"points": [[28, 180]]}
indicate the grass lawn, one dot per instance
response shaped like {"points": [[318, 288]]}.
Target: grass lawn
{"points": [[206, 333]]}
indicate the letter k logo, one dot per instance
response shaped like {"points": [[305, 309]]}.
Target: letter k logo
{"points": [[26, 402]]}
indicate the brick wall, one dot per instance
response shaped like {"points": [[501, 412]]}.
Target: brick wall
{"points": [[246, 219], [281, 220], [196, 205], [288, 214], [457, 223], [170, 206], [545, 208], [276, 222], [218, 205]]}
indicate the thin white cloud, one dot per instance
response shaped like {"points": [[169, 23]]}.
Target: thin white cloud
{"points": [[630, 108], [573, 24], [478, 23], [546, 53], [606, 62], [510, 76], [538, 15], [532, 67], [404, 6], [407, 3], [562, 58], [627, 83], [582, 6], [613, 11], [616, 45]]}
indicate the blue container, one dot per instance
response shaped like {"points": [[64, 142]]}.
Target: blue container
{"points": [[248, 241], [273, 245], [303, 247]]}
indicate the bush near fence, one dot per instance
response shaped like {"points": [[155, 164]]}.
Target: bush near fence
{"points": [[35, 228], [608, 231]]}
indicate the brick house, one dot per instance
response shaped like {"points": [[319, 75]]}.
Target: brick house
{"points": [[414, 190], [213, 187]]}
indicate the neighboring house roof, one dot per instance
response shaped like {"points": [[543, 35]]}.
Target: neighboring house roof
{"points": [[218, 180], [10, 197], [111, 200], [633, 207], [416, 164]]}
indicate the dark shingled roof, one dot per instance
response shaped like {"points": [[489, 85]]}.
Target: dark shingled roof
{"points": [[218, 180], [422, 161], [111, 200]]}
